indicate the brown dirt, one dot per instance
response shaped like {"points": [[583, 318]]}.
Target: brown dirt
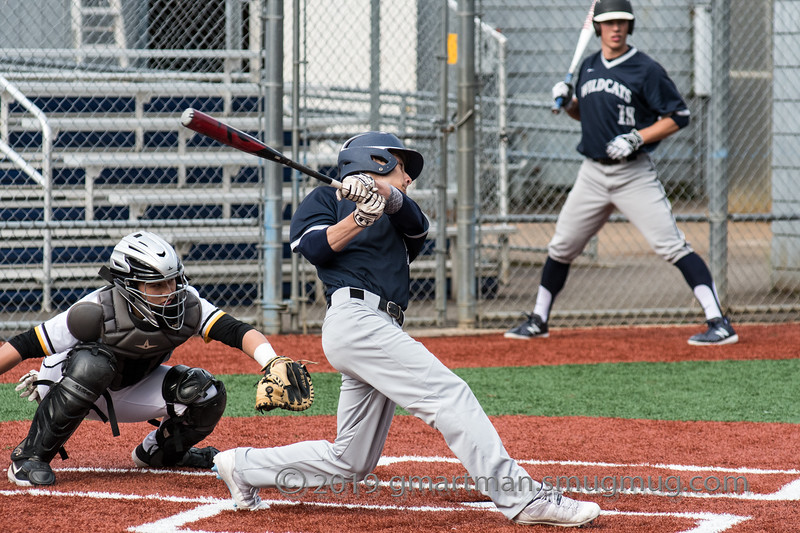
{"points": [[98, 490]]}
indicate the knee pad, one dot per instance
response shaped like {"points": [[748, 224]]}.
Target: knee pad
{"points": [[187, 386], [177, 434], [88, 371]]}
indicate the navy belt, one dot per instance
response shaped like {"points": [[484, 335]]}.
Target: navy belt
{"points": [[609, 161]]}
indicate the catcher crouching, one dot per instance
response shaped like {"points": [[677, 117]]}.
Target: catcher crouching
{"points": [[105, 359]]}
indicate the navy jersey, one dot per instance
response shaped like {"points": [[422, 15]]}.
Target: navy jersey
{"points": [[377, 259], [631, 91]]}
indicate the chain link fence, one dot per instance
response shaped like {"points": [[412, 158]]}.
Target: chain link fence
{"points": [[91, 93], [725, 175]]}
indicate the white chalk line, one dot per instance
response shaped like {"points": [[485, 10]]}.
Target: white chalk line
{"points": [[690, 468], [209, 507], [788, 492], [389, 460]]}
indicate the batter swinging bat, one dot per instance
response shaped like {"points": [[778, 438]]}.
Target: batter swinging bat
{"points": [[230, 136], [583, 41]]}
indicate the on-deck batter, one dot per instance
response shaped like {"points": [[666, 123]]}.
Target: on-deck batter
{"points": [[626, 103], [361, 240]]}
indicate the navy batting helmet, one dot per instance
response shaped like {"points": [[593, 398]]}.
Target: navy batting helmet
{"points": [[358, 153], [605, 10]]}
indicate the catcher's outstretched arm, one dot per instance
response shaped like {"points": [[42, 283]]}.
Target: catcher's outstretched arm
{"points": [[237, 334], [9, 357], [262, 353]]}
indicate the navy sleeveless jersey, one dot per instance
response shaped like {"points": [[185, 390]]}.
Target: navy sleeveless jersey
{"points": [[377, 259], [631, 91]]}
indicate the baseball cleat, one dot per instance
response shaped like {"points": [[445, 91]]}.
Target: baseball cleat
{"points": [[719, 332], [244, 496], [534, 326], [199, 458], [30, 472], [552, 508], [194, 458]]}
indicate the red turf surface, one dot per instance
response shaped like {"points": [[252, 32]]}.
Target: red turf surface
{"points": [[98, 490]]}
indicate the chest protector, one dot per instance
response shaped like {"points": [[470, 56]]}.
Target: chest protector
{"points": [[138, 351]]}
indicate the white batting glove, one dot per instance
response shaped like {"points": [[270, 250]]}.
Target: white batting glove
{"points": [[370, 210], [624, 145], [356, 187], [562, 90], [26, 387]]}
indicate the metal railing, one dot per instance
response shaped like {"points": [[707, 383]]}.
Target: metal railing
{"points": [[43, 178]]}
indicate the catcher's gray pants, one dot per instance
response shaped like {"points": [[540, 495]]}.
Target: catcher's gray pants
{"points": [[382, 366], [632, 187]]}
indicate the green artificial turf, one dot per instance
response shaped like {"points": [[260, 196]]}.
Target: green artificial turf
{"points": [[757, 391]]}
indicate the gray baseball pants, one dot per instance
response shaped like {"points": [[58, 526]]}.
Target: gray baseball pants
{"points": [[381, 367], [632, 187]]}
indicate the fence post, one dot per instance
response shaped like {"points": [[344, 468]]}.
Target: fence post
{"points": [[441, 184], [718, 146], [465, 166], [272, 303], [375, 66]]}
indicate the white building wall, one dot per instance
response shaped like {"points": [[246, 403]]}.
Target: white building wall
{"points": [[786, 145]]}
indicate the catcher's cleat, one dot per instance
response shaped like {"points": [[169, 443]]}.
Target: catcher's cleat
{"points": [[552, 508], [194, 458], [244, 496], [30, 472], [719, 332], [534, 326]]}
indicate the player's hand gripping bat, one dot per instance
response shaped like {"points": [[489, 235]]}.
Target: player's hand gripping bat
{"points": [[583, 41]]}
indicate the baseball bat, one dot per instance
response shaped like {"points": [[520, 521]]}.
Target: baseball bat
{"points": [[230, 136], [583, 41]]}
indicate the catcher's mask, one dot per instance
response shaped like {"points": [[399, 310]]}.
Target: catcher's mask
{"points": [[144, 258], [605, 10], [357, 155]]}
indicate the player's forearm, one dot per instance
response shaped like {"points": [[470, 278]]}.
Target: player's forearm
{"points": [[659, 130], [252, 340], [9, 358], [257, 346], [341, 233]]}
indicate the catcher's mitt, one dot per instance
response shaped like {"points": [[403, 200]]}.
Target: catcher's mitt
{"points": [[286, 384]]}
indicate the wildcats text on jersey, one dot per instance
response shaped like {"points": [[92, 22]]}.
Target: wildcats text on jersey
{"points": [[609, 86]]}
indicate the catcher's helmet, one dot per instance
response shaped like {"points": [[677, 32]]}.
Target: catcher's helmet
{"points": [[605, 10], [144, 257], [357, 155]]}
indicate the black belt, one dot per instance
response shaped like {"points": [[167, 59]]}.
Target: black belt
{"points": [[390, 308], [609, 161]]}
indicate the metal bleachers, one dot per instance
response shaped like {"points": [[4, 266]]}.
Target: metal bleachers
{"points": [[120, 161]]}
